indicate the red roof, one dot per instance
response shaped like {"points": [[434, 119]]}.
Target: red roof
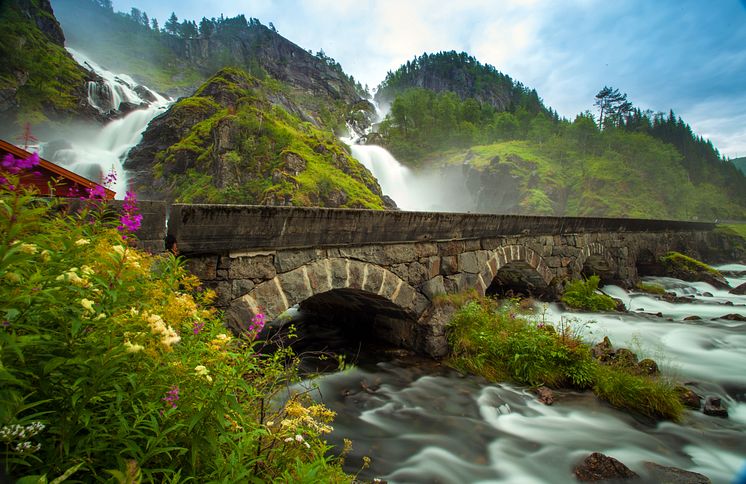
{"points": [[63, 182]]}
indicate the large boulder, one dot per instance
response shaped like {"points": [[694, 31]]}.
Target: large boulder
{"points": [[599, 467]]}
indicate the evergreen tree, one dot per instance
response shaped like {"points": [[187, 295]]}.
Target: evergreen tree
{"points": [[172, 24], [612, 106]]}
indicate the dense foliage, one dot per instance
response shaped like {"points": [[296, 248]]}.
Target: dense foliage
{"points": [[500, 341], [112, 367], [464, 75]]}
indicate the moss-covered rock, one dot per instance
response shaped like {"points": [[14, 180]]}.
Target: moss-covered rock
{"points": [[240, 140], [686, 268]]}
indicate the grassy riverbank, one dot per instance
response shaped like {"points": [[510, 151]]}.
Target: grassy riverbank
{"points": [[502, 341]]}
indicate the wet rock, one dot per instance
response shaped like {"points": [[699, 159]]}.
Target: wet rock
{"points": [[546, 396], [620, 307], [597, 467], [647, 367], [688, 397], [740, 290], [625, 357], [693, 318], [603, 351], [674, 475], [714, 407], [733, 317], [707, 294]]}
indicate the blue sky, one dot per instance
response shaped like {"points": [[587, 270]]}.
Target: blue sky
{"points": [[685, 55]]}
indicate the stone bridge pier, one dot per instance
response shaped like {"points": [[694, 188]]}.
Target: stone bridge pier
{"points": [[385, 269]]}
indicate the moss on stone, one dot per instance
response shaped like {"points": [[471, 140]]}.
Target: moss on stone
{"points": [[679, 262]]}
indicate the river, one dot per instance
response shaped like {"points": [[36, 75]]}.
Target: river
{"points": [[421, 422]]}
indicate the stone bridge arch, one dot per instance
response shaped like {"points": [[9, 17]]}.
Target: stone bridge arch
{"points": [[517, 267], [348, 276], [594, 258]]}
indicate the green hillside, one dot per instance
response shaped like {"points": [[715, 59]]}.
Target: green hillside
{"points": [[630, 163]]}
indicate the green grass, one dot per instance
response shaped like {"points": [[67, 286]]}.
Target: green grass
{"points": [[734, 229], [500, 342]]}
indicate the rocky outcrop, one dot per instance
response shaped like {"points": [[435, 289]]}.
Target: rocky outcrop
{"points": [[30, 50], [246, 141]]}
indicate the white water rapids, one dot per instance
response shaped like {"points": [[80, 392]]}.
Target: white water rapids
{"points": [[93, 151], [423, 423]]}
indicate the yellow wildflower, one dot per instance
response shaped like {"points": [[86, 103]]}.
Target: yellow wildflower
{"points": [[201, 370], [133, 348], [82, 242], [29, 248], [87, 305]]}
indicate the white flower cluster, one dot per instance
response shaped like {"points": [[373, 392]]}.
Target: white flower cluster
{"points": [[168, 336], [298, 438], [21, 434]]}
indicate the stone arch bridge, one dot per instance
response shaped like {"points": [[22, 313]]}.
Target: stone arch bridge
{"points": [[388, 267]]}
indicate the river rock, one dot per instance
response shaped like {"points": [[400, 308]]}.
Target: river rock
{"points": [[707, 294], [624, 357], [688, 397], [715, 408], [733, 317], [693, 318], [674, 475], [597, 467], [647, 366], [740, 290], [546, 396], [603, 351]]}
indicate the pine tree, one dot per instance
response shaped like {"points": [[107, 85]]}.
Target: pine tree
{"points": [[172, 24]]}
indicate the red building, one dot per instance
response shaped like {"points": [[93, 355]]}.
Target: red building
{"points": [[51, 179]]}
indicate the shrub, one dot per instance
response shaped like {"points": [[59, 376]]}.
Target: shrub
{"points": [[582, 295], [112, 365]]}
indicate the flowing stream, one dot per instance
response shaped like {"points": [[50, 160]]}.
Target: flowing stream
{"points": [[422, 422], [93, 152]]}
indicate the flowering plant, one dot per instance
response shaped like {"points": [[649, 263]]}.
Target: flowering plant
{"points": [[113, 364]]}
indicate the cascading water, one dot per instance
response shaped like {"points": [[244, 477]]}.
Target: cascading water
{"points": [[410, 190], [94, 152], [422, 422]]}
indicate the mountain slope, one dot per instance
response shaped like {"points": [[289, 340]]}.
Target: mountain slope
{"points": [[240, 140], [740, 163], [178, 59], [39, 80]]}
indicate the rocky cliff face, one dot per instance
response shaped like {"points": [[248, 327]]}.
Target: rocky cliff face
{"points": [[242, 140], [177, 64], [39, 80]]}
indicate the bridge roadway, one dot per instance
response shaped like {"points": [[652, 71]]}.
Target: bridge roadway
{"points": [[387, 267]]}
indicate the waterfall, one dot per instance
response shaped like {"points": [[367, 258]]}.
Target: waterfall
{"points": [[438, 190], [93, 152]]}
